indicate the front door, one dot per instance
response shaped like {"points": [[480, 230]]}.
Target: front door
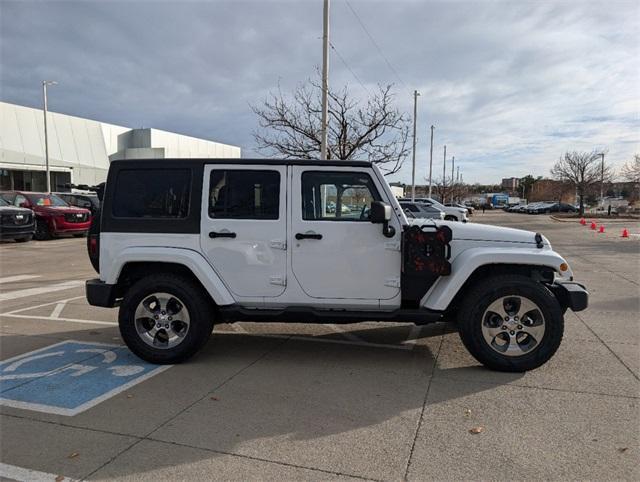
{"points": [[244, 228], [337, 252]]}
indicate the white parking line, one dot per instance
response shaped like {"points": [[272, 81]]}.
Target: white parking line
{"points": [[57, 310], [70, 320], [20, 310], [13, 472], [12, 295], [20, 277]]}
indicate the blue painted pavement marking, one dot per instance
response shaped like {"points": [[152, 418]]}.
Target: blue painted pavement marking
{"points": [[70, 377]]}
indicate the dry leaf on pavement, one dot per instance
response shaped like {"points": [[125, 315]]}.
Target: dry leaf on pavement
{"points": [[476, 430]]}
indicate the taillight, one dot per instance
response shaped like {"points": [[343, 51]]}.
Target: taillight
{"points": [[93, 246]]}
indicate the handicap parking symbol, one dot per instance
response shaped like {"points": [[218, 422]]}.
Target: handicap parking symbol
{"points": [[70, 377]]}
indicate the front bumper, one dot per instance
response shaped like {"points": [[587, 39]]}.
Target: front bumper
{"points": [[10, 232], [100, 293], [571, 294]]}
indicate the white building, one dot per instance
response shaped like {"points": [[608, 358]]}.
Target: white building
{"points": [[80, 149]]}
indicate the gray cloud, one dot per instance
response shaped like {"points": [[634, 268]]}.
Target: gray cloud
{"points": [[509, 85]]}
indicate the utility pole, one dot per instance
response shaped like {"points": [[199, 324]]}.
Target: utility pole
{"points": [[458, 175], [46, 138], [453, 163], [431, 160], [444, 173], [413, 165], [325, 80]]}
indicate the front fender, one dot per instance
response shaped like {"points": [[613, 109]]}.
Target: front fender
{"points": [[189, 258], [446, 287]]}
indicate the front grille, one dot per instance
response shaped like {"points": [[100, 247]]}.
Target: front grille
{"points": [[76, 217]]}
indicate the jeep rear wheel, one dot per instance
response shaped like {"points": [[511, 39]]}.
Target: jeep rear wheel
{"points": [[165, 318], [511, 323], [450, 217]]}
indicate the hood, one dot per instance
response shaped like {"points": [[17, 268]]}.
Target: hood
{"points": [[14, 210], [60, 210], [484, 232]]}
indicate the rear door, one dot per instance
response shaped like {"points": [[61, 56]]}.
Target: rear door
{"points": [[243, 228]]}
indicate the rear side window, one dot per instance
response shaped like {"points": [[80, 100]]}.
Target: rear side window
{"points": [[244, 194], [152, 193]]}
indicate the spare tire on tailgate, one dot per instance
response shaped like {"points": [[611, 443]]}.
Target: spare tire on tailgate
{"points": [[93, 242], [93, 236]]}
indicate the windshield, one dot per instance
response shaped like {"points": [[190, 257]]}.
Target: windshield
{"points": [[46, 200], [435, 203], [4, 203]]}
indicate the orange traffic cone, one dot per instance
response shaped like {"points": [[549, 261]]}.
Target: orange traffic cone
{"points": [[601, 230], [593, 225], [625, 233], [583, 221]]}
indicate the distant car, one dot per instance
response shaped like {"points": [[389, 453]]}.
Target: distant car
{"points": [[517, 208], [421, 210], [450, 213], [470, 209], [15, 222], [54, 217], [87, 201]]}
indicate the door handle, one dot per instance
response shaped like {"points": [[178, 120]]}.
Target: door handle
{"points": [[227, 234], [308, 236]]}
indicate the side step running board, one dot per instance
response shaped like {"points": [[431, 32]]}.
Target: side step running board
{"points": [[232, 313]]}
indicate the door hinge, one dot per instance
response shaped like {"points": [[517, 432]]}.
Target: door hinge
{"points": [[392, 245], [393, 282], [278, 280], [278, 244]]}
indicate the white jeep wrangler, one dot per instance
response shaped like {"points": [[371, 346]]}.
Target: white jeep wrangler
{"points": [[184, 244]]}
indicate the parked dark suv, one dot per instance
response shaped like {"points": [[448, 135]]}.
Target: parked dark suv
{"points": [[16, 223], [87, 201], [54, 216]]}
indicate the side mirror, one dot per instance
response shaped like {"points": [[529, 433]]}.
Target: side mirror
{"points": [[381, 214]]}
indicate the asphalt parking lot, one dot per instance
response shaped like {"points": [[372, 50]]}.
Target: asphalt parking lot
{"points": [[272, 401]]}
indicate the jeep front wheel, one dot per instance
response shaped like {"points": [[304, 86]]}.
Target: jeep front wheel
{"points": [[511, 323], [165, 318]]}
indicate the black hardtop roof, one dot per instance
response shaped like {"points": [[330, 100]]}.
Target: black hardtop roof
{"points": [[242, 161]]}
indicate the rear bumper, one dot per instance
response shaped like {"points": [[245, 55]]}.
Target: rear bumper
{"points": [[100, 293], [571, 294]]}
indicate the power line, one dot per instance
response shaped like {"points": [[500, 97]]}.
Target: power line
{"points": [[348, 68], [375, 44]]}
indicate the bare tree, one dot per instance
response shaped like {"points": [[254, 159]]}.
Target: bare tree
{"points": [[374, 130], [631, 170], [581, 170]]}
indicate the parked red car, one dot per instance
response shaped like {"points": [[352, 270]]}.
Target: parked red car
{"points": [[54, 216]]}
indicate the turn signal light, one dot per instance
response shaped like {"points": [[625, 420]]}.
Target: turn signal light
{"points": [[564, 267]]}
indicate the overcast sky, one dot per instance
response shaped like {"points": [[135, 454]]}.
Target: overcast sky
{"points": [[510, 86]]}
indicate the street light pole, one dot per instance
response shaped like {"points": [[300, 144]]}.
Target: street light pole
{"points": [[453, 164], [602, 180], [45, 83], [325, 80], [431, 160], [413, 164]]}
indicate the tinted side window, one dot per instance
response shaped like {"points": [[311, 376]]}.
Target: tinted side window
{"points": [[337, 196], [244, 194], [152, 193]]}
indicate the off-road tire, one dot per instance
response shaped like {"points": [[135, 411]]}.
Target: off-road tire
{"points": [[477, 300], [195, 300], [42, 231]]}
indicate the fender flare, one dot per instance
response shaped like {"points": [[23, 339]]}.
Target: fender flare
{"points": [[188, 258], [446, 287]]}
